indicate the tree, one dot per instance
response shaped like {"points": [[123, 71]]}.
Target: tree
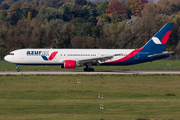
{"points": [[101, 9], [82, 42], [102, 42], [4, 6], [115, 32], [81, 13], [3, 15], [150, 15], [175, 8], [13, 43], [83, 28], [93, 20], [115, 6], [8, 2], [91, 8], [49, 14], [20, 10], [106, 18], [15, 7], [95, 32], [51, 3], [29, 16], [116, 29], [164, 6], [2, 49], [26, 9], [133, 28], [76, 42], [59, 33], [67, 10], [90, 42], [81, 2], [135, 6], [175, 35], [115, 17]]}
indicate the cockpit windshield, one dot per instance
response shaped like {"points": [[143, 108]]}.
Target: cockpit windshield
{"points": [[11, 54]]}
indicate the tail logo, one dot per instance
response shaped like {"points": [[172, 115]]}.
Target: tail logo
{"points": [[51, 57], [156, 40], [163, 40]]}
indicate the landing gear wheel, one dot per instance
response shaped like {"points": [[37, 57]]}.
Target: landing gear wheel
{"points": [[85, 69], [88, 69], [18, 70], [92, 69], [17, 66]]}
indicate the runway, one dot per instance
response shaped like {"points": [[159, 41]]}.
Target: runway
{"points": [[86, 73]]}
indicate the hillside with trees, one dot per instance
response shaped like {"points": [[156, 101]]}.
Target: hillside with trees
{"points": [[85, 24]]}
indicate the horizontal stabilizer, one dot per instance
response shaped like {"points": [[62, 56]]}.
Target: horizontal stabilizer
{"points": [[160, 54]]}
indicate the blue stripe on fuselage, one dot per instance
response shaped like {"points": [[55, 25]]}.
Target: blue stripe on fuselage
{"points": [[44, 57]]}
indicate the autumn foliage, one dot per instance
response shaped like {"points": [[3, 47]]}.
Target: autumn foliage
{"points": [[85, 24], [115, 6], [136, 6]]}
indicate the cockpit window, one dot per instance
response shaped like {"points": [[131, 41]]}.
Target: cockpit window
{"points": [[11, 54]]}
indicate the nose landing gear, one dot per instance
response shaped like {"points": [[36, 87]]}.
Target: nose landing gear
{"points": [[17, 66]]}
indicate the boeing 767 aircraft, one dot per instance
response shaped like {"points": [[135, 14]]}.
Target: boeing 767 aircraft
{"points": [[71, 58]]}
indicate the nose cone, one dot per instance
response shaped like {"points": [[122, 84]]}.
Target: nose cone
{"points": [[7, 58]]}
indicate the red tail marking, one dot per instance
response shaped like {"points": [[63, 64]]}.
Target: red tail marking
{"points": [[165, 38]]}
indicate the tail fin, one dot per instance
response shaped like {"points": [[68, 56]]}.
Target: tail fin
{"points": [[158, 42]]}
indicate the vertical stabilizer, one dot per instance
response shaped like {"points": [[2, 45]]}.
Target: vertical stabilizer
{"points": [[158, 42]]}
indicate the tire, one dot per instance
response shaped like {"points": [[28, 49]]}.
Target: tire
{"points": [[85, 69], [92, 69], [89, 69], [18, 70]]}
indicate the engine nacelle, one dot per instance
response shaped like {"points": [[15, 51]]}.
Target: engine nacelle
{"points": [[69, 64]]}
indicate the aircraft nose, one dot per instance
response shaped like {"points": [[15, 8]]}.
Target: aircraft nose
{"points": [[6, 58]]}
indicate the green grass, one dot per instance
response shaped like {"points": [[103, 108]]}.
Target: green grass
{"points": [[155, 65], [60, 97]]}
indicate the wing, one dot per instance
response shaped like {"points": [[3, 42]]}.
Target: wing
{"points": [[95, 59]]}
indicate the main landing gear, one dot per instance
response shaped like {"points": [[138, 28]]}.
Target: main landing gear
{"points": [[17, 66], [88, 67]]}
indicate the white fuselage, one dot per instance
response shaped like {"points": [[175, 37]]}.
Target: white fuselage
{"points": [[71, 58], [22, 56]]}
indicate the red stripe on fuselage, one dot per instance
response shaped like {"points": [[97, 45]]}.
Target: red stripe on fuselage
{"points": [[130, 55], [165, 38], [52, 55]]}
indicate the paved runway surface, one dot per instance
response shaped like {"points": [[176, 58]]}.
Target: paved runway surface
{"points": [[81, 72]]}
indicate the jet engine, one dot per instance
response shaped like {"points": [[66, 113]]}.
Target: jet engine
{"points": [[69, 64]]}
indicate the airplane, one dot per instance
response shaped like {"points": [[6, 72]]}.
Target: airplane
{"points": [[71, 58]]}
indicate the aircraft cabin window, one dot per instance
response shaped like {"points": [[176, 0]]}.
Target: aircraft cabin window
{"points": [[11, 54], [79, 54]]}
